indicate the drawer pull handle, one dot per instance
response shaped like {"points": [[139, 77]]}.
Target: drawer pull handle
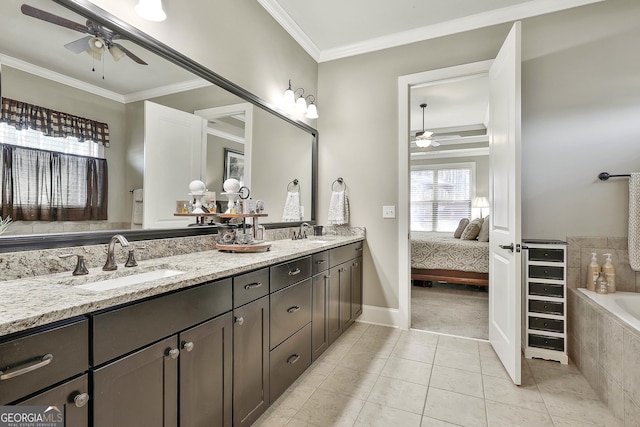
{"points": [[293, 359], [81, 399], [358, 249], [294, 272], [188, 346], [342, 270], [44, 361], [293, 309], [321, 261], [174, 353], [253, 285], [239, 320]]}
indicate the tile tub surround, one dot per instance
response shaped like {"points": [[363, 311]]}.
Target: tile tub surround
{"points": [[579, 257], [606, 351], [37, 300]]}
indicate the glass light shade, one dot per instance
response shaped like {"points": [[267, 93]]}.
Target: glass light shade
{"points": [[116, 53], [301, 105], [312, 112], [480, 202], [289, 98], [423, 143], [151, 10]]}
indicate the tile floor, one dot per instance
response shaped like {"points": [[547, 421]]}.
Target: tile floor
{"points": [[377, 376]]}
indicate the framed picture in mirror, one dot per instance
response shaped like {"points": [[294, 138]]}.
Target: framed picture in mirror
{"points": [[233, 165]]}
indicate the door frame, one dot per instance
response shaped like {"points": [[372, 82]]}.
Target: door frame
{"points": [[405, 83]]}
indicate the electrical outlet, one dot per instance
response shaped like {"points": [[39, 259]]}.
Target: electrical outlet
{"points": [[388, 212]]}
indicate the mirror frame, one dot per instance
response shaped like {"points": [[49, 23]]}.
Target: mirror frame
{"points": [[57, 240]]}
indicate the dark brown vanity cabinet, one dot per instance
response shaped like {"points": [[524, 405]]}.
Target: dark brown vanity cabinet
{"points": [[345, 288], [180, 379], [320, 283]]}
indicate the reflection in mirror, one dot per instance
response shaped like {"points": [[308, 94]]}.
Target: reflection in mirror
{"points": [[40, 67]]}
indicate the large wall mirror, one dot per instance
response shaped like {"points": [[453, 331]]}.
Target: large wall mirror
{"points": [[45, 60]]}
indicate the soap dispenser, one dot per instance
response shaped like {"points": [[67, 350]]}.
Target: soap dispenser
{"points": [[610, 274], [592, 272]]}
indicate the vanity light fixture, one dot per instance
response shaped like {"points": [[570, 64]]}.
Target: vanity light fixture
{"points": [[312, 110], [151, 10], [289, 98], [423, 139], [300, 104]]}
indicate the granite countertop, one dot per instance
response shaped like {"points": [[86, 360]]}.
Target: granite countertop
{"points": [[37, 301]]}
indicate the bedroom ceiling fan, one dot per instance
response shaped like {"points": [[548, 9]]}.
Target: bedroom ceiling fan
{"points": [[99, 39], [424, 138]]}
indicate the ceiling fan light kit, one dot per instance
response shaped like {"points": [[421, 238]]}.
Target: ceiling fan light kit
{"points": [[424, 138], [151, 10]]}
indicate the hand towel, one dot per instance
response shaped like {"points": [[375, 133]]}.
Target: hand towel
{"points": [[292, 208], [136, 214], [338, 208], [634, 221]]}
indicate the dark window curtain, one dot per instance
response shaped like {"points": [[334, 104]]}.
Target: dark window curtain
{"points": [[52, 123], [40, 185]]}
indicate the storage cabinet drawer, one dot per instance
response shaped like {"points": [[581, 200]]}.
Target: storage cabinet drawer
{"points": [[546, 272], [120, 331], [289, 360], [541, 324], [72, 396], [320, 262], [344, 253], [550, 343], [35, 361], [250, 286], [549, 255], [546, 289], [547, 307], [290, 310], [288, 273]]}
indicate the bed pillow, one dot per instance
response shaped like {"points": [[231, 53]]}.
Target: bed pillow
{"points": [[471, 231], [483, 236], [461, 226]]}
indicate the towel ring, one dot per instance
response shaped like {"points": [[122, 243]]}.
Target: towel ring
{"points": [[293, 183], [339, 181]]}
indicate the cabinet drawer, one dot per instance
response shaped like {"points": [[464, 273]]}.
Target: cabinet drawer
{"points": [[289, 360], [64, 396], [344, 253], [122, 330], [546, 272], [290, 310], [320, 262], [60, 352], [547, 307], [550, 255], [550, 343], [541, 324], [250, 286], [288, 273], [546, 289]]}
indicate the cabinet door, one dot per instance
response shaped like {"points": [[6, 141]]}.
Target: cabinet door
{"points": [[250, 361], [319, 314], [72, 395], [346, 298], [140, 389], [206, 370], [335, 325], [356, 287]]}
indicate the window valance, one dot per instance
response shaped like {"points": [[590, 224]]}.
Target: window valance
{"points": [[53, 123]]}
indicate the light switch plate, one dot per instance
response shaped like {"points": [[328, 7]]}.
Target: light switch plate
{"points": [[388, 212]]}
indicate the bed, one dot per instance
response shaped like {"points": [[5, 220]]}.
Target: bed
{"points": [[440, 257]]}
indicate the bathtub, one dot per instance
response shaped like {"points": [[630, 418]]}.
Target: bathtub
{"points": [[624, 305]]}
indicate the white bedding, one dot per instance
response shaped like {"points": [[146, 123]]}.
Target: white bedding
{"points": [[434, 250]]}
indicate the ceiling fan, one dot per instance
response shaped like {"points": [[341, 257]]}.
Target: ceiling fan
{"points": [[424, 138], [99, 39]]}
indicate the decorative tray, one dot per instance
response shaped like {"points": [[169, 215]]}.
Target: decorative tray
{"points": [[254, 247]]}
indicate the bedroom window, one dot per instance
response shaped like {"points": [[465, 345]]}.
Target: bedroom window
{"points": [[440, 196]]}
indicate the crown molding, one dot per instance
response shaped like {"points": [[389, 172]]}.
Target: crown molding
{"points": [[59, 78], [486, 19], [290, 26]]}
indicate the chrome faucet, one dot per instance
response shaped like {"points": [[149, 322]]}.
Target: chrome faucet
{"points": [[111, 265], [303, 227]]}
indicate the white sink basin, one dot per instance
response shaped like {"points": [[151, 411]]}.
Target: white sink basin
{"points": [[133, 279]]}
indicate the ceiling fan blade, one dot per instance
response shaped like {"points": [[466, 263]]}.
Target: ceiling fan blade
{"points": [[129, 54], [54, 19], [435, 143], [79, 46]]}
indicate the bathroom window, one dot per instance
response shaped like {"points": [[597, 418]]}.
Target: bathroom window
{"points": [[441, 195]]}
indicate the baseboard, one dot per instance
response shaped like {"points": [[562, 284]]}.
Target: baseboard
{"points": [[382, 316]]}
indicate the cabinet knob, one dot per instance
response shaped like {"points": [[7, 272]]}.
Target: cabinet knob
{"points": [[188, 346], [320, 261], [239, 320], [81, 399], [342, 270], [174, 353]]}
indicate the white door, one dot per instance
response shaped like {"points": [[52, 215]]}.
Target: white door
{"points": [[505, 310], [173, 157]]}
